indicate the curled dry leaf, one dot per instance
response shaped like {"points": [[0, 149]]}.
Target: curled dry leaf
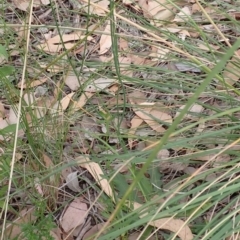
{"points": [[49, 164], [98, 8], [218, 160], [211, 177], [12, 115], [45, 2], [40, 108], [185, 67], [33, 83], [135, 123], [230, 74], [135, 235], [123, 44], [183, 15], [57, 43], [125, 67], [149, 115], [136, 97], [62, 105], [66, 172], [163, 154], [163, 16], [38, 186], [72, 182], [156, 6], [176, 226], [208, 47], [105, 40], [183, 34], [147, 112], [3, 124], [72, 80], [25, 4], [29, 98], [178, 166], [194, 109], [159, 53], [190, 170], [152, 8], [99, 84], [82, 101], [97, 173], [2, 111], [40, 91], [74, 215], [91, 128], [122, 126], [221, 159]]}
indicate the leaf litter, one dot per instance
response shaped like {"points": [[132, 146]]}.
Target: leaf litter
{"points": [[91, 97]]}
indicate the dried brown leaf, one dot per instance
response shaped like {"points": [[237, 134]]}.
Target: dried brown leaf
{"points": [[12, 115], [72, 80], [52, 48], [144, 5], [137, 60], [147, 112], [183, 15], [82, 101], [39, 108], [94, 230], [159, 53], [74, 215], [123, 44], [230, 74], [195, 109], [14, 229], [25, 4], [105, 40], [135, 123], [2, 111], [55, 44], [156, 6], [3, 124], [190, 170], [99, 84], [45, 2], [33, 83], [174, 225], [136, 97], [62, 105], [135, 235], [125, 67], [65, 38], [163, 16], [47, 160], [97, 173], [100, 10], [149, 115], [209, 47], [72, 182], [163, 154], [90, 127]]}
